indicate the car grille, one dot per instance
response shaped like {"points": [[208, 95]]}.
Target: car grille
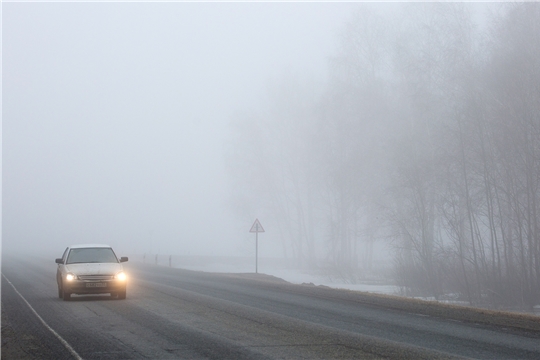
{"points": [[95, 277]]}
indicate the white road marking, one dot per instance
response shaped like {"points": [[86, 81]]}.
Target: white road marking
{"points": [[64, 342]]}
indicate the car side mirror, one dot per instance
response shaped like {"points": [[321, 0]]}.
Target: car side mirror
{"points": [[59, 261], [123, 259]]}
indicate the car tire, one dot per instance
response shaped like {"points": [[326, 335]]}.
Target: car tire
{"points": [[122, 295], [65, 295], [60, 295]]}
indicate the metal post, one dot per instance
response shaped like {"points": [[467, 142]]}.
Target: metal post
{"points": [[256, 228]]}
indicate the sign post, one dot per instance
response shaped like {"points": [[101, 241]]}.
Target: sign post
{"points": [[256, 228]]}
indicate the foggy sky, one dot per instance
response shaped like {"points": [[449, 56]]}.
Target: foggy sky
{"points": [[115, 117]]}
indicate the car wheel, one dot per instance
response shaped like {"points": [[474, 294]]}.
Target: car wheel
{"points": [[59, 292], [65, 295], [122, 295]]}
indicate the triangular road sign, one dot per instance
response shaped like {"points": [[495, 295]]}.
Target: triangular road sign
{"points": [[256, 227]]}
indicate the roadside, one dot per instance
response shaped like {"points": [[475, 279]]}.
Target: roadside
{"points": [[290, 272], [18, 344], [380, 295]]}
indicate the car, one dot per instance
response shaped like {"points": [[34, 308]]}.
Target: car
{"points": [[90, 269]]}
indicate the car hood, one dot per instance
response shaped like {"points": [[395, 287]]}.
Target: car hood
{"points": [[94, 268]]}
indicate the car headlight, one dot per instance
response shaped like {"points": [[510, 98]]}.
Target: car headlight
{"points": [[120, 276], [70, 277]]}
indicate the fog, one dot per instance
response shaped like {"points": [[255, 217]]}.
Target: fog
{"points": [[116, 117], [393, 142]]}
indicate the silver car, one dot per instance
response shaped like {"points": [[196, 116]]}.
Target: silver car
{"points": [[90, 269]]}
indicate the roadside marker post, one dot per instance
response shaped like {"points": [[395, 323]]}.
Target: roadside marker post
{"points": [[256, 228]]}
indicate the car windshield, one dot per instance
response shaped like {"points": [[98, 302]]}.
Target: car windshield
{"points": [[91, 255]]}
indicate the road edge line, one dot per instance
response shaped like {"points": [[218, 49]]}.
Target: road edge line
{"points": [[64, 342]]}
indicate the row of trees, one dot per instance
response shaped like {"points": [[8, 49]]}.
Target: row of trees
{"points": [[426, 136]]}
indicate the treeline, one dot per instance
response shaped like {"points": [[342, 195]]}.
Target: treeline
{"points": [[426, 136]]}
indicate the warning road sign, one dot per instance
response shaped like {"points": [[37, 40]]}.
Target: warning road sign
{"points": [[256, 227]]}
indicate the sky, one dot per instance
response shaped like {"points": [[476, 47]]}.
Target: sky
{"points": [[115, 117]]}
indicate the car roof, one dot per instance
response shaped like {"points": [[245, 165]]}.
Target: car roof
{"points": [[89, 246]]}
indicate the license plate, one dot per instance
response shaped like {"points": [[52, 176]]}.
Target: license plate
{"points": [[96, 284]]}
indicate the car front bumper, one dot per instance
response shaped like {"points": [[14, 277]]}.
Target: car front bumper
{"points": [[94, 287]]}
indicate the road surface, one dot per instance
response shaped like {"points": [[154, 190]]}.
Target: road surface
{"points": [[181, 314]]}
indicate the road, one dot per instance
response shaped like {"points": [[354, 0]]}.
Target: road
{"points": [[181, 314]]}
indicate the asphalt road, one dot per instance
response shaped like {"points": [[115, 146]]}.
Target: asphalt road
{"points": [[180, 314]]}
